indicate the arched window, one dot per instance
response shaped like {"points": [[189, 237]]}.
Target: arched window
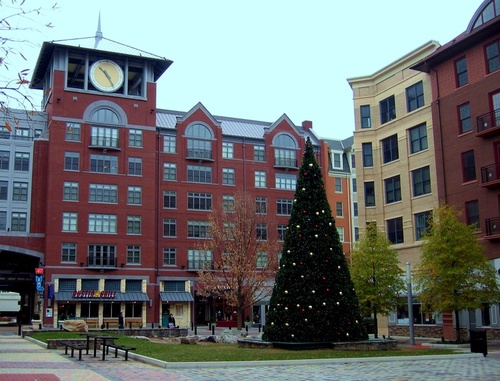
{"points": [[484, 14], [285, 151], [104, 137], [105, 115], [199, 142]]}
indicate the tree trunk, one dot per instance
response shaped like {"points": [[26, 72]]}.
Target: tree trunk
{"points": [[240, 318], [457, 326], [375, 322]]}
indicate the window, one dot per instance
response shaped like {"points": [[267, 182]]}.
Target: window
{"points": [[262, 260], [4, 160], [340, 231], [355, 210], [462, 78], [356, 234], [104, 137], [285, 151], [421, 223], [415, 96], [337, 160], [102, 223], [134, 285], [338, 185], [199, 144], [259, 153], [134, 225], [392, 189], [170, 199], [104, 164], [200, 259], [284, 206], [260, 179], [493, 56], [261, 232], [112, 284], [69, 222], [71, 161], [260, 205], [169, 256], [3, 221], [70, 191], [286, 181], [134, 195], [353, 161], [198, 229], [465, 121], [387, 109], [169, 172], [472, 213], [339, 209], [68, 252], [199, 174], [281, 232], [133, 255], [227, 150], [228, 176], [418, 138], [174, 285], [421, 179], [72, 132], [369, 193], [390, 149], [18, 222], [4, 190], [19, 191], [135, 166], [135, 138], [228, 203], [67, 284], [468, 166], [169, 144], [103, 193], [395, 230], [169, 227], [367, 154], [199, 201], [354, 185], [102, 255], [365, 115]]}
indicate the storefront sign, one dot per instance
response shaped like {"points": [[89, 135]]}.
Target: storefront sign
{"points": [[82, 294]]}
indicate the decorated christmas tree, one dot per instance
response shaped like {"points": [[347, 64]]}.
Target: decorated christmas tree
{"points": [[313, 298]]}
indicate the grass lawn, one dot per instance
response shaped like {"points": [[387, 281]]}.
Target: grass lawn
{"points": [[231, 352]]}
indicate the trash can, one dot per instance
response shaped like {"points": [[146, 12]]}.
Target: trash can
{"points": [[478, 342], [164, 320]]}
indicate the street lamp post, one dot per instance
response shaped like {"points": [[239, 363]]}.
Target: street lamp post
{"points": [[410, 303]]}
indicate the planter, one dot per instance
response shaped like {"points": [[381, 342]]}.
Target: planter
{"points": [[35, 324]]}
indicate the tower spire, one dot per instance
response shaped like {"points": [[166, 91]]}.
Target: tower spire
{"points": [[98, 33]]}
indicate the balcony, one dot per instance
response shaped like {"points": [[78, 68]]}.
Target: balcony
{"points": [[490, 176], [488, 124], [199, 264], [199, 155], [492, 228], [286, 163], [105, 143], [101, 263]]}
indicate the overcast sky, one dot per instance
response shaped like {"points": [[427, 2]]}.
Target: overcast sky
{"points": [[260, 59]]}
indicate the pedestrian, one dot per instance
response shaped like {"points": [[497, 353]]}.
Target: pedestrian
{"points": [[171, 321], [121, 324]]}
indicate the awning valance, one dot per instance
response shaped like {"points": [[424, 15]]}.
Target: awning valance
{"points": [[176, 296]]}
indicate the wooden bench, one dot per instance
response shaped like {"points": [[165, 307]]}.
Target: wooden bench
{"points": [[119, 347], [79, 347]]}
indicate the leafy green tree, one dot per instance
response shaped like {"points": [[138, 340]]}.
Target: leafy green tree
{"points": [[313, 299], [376, 274], [453, 274]]}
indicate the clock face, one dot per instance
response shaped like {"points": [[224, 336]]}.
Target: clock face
{"points": [[106, 75]]}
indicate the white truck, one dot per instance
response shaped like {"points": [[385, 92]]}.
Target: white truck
{"points": [[9, 307]]}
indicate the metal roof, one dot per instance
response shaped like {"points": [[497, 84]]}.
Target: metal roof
{"points": [[176, 296]]}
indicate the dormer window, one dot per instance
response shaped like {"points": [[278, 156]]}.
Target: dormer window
{"points": [[199, 142], [285, 151]]}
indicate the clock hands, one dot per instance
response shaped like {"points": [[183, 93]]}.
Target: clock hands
{"points": [[107, 75]]}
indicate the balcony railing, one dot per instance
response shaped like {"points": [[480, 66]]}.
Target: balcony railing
{"points": [[493, 227], [105, 142], [101, 262], [490, 175], [285, 162], [489, 123], [199, 154], [194, 265]]}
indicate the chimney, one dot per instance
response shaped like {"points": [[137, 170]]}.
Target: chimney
{"points": [[307, 125]]}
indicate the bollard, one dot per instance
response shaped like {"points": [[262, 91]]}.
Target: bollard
{"points": [[195, 329], [213, 329], [107, 325], [40, 326], [19, 330], [260, 326], [246, 328], [192, 326], [130, 325], [229, 327]]}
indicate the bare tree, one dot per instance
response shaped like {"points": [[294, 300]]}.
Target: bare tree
{"points": [[245, 259]]}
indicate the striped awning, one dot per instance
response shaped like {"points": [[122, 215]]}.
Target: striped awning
{"points": [[176, 296], [119, 297]]}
